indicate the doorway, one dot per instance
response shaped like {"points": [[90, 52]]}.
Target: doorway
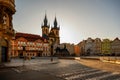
{"points": [[4, 54]]}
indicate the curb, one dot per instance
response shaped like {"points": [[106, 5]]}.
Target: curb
{"points": [[15, 66], [6, 67], [69, 58], [114, 62]]}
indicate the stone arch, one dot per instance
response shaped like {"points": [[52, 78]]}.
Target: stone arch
{"points": [[4, 49], [4, 42]]}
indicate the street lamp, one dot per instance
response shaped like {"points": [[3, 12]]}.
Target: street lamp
{"points": [[24, 57], [51, 52], [52, 48]]}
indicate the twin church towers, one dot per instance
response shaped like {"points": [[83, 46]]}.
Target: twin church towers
{"points": [[51, 34]]}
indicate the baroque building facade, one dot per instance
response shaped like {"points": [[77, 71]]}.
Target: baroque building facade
{"points": [[115, 47], [29, 45], [82, 47], [97, 46], [89, 47], [106, 47], [7, 9]]}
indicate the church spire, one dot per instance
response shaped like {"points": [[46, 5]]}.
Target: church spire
{"points": [[45, 20], [55, 23]]}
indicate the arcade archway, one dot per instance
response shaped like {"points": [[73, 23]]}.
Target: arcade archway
{"points": [[4, 50]]}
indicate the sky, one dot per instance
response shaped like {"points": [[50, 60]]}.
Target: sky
{"points": [[78, 19]]}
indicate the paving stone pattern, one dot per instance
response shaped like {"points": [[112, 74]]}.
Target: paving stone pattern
{"points": [[70, 70]]}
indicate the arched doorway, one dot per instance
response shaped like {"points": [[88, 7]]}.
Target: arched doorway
{"points": [[39, 54], [4, 50], [21, 54]]}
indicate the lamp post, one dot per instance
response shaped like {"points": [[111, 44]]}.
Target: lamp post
{"points": [[51, 52], [24, 57]]}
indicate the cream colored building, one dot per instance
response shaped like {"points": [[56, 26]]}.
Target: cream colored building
{"points": [[97, 46], [89, 47], [115, 47], [82, 47], [7, 9]]}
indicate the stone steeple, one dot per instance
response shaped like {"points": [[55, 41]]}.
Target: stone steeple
{"points": [[45, 20], [55, 23]]}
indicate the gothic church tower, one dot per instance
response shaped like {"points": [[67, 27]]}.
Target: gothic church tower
{"points": [[45, 28], [54, 33], [51, 35]]}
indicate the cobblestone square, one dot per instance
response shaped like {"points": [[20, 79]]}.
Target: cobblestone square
{"points": [[61, 70]]}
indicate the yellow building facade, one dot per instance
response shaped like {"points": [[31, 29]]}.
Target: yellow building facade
{"points": [[7, 9], [106, 47]]}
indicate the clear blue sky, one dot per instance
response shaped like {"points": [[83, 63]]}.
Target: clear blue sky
{"points": [[78, 19]]}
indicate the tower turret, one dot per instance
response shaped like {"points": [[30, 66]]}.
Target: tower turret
{"points": [[45, 28], [45, 20], [54, 32], [55, 23]]}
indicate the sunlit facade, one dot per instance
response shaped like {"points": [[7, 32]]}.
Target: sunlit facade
{"points": [[97, 46], [89, 46], [77, 50], [106, 47], [29, 45], [82, 47], [115, 47]]}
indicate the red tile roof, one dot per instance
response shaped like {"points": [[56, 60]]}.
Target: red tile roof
{"points": [[29, 37]]}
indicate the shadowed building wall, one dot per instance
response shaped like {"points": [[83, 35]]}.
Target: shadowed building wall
{"points": [[7, 9]]}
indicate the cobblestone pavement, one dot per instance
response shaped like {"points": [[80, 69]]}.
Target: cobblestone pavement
{"points": [[20, 62], [62, 70], [70, 70]]}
